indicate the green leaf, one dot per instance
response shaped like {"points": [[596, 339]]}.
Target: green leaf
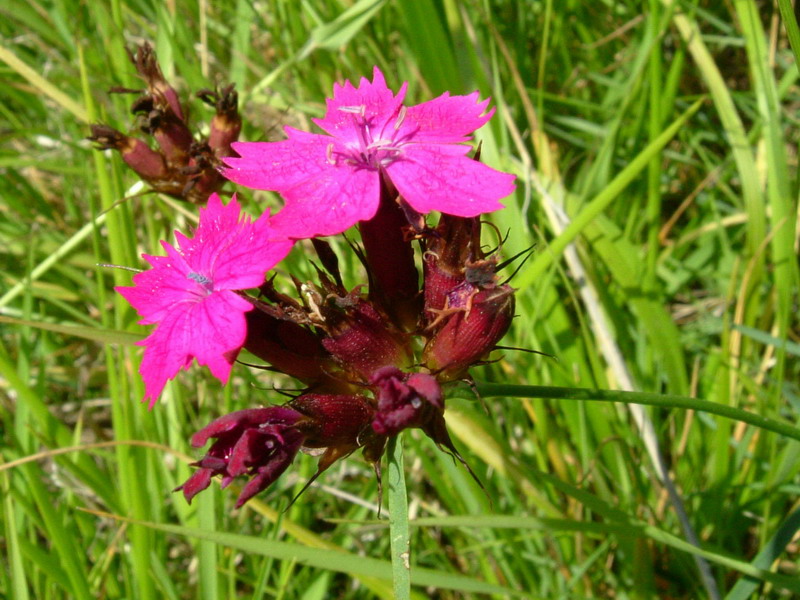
{"points": [[97, 334], [398, 521], [488, 390], [602, 201], [337, 33], [343, 562]]}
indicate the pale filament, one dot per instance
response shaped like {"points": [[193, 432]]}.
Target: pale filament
{"points": [[400, 118]]}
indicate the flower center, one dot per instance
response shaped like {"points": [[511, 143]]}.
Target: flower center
{"points": [[204, 282], [372, 149]]}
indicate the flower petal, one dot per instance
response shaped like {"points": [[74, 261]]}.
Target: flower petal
{"points": [[242, 419], [252, 252], [277, 166], [230, 250], [335, 200], [199, 481], [218, 220], [156, 291], [437, 178], [212, 331], [380, 106], [446, 119]]}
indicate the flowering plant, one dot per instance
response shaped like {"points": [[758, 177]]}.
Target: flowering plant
{"points": [[373, 359]]}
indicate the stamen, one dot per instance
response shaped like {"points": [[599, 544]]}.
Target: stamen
{"points": [[329, 154], [395, 149], [400, 118], [356, 110]]}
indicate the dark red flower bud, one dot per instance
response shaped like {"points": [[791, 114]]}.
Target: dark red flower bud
{"points": [[471, 326], [171, 134], [340, 424], [162, 92], [405, 400], [335, 420], [360, 339], [259, 443], [449, 248], [147, 163], [287, 346], [227, 123]]}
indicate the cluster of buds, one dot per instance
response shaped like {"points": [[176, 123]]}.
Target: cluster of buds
{"points": [[372, 366], [373, 359], [184, 166]]}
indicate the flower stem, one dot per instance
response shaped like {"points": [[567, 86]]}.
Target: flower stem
{"points": [[390, 258], [398, 521], [488, 390]]}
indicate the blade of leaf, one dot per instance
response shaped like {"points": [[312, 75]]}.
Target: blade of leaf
{"points": [[601, 201], [341, 30], [398, 521], [97, 334], [489, 390], [747, 586], [343, 562]]}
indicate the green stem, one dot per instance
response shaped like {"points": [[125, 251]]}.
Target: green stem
{"points": [[398, 522], [488, 390]]}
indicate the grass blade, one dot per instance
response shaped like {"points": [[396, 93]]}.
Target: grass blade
{"points": [[543, 260], [398, 521]]}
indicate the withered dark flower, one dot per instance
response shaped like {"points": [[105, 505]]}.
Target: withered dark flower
{"points": [[404, 400], [184, 167], [260, 443]]}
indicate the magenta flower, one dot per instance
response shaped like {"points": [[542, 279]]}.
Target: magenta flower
{"points": [[330, 182], [191, 293]]}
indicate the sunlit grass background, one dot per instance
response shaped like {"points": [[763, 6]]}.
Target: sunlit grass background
{"points": [[682, 280]]}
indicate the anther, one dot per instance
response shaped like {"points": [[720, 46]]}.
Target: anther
{"points": [[400, 117], [329, 154], [356, 110]]}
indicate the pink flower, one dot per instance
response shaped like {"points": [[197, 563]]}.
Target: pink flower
{"points": [[191, 293], [330, 182]]}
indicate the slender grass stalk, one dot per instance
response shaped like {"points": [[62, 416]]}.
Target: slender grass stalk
{"points": [[493, 390], [789, 19], [13, 554], [398, 520], [79, 237], [329, 559], [602, 200]]}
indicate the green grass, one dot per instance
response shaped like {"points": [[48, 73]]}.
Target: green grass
{"points": [[665, 131]]}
